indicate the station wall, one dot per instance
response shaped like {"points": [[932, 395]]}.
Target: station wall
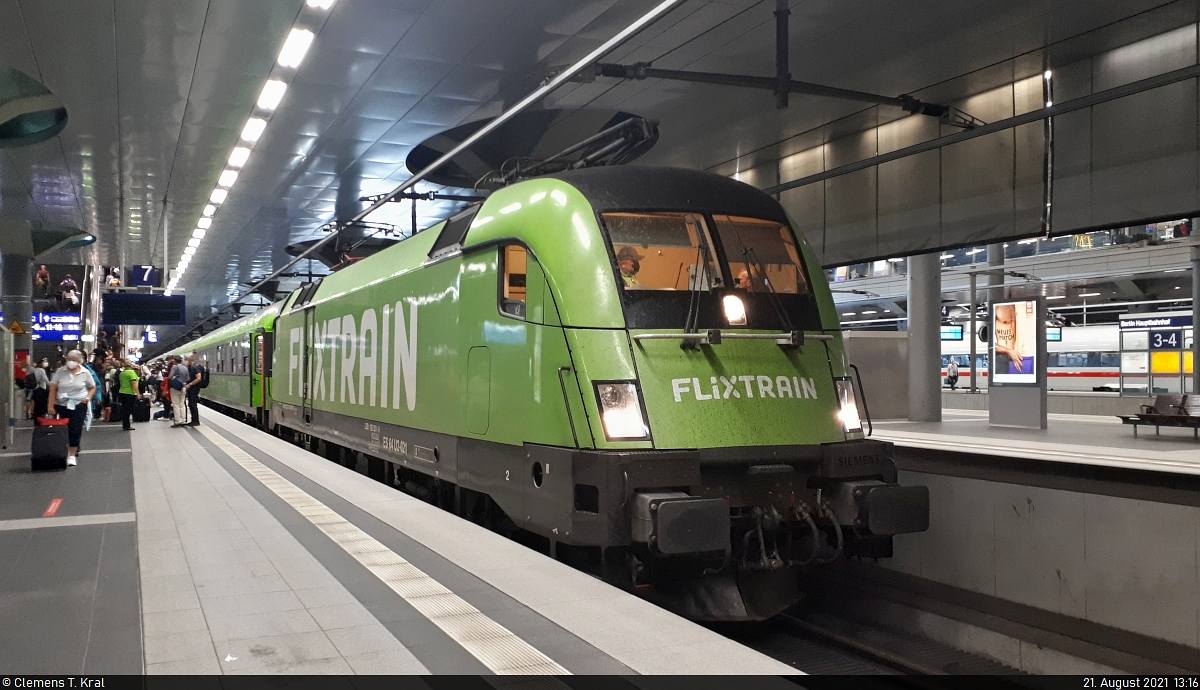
{"points": [[1126, 563], [1130, 160]]}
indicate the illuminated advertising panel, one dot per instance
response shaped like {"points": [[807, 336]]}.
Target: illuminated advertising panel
{"points": [[1014, 342]]}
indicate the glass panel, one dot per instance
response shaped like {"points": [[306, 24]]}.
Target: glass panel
{"points": [[1135, 362], [1135, 340], [512, 297], [761, 253], [1135, 385], [662, 251], [1167, 384]]}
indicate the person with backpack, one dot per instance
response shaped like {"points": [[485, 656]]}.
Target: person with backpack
{"points": [[37, 385], [198, 375], [177, 379]]}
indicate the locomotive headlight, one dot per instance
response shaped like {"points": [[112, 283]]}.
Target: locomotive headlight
{"points": [[735, 310], [621, 412], [847, 406]]}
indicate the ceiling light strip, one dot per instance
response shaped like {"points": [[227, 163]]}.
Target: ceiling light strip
{"points": [[299, 39]]}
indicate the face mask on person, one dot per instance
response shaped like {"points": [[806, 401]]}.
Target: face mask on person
{"points": [[72, 364]]}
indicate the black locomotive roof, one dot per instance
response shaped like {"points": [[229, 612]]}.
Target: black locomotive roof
{"points": [[638, 188]]}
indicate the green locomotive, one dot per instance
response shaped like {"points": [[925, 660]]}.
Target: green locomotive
{"points": [[638, 369]]}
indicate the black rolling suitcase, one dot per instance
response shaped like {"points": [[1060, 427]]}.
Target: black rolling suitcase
{"points": [[49, 448], [141, 411]]}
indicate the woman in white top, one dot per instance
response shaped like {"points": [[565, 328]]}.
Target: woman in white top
{"points": [[72, 389]]}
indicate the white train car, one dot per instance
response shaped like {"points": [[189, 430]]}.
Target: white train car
{"points": [[1082, 358]]}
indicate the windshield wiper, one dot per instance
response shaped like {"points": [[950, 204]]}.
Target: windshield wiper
{"points": [[692, 322]]}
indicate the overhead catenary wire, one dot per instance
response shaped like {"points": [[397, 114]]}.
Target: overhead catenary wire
{"points": [[541, 92]]}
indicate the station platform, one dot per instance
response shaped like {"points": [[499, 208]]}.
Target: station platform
{"points": [[224, 550], [1078, 439]]}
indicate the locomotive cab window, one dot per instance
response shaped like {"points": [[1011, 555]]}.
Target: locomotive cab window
{"points": [[762, 255], [709, 271], [663, 251], [513, 292]]}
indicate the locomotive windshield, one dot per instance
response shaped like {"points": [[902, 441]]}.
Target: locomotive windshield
{"points": [[661, 258]]}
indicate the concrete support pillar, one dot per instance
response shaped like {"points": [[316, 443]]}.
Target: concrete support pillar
{"points": [[995, 258], [1195, 317], [924, 338], [17, 298]]}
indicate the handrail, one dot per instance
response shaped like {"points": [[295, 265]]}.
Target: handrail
{"points": [[714, 336], [863, 396]]}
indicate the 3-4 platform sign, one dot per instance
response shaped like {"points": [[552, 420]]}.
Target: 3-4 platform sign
{"points": [[1166, 340]]}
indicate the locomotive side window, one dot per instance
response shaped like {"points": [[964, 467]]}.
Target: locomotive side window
{"points": [[663, 251], [761, 253], [512, 286]]}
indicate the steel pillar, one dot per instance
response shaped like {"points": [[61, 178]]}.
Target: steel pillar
{"points": [[17, 299], [924, 338], [995, 279]]}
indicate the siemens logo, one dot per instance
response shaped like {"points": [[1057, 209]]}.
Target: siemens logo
{"points": [[724, 388], [857, 460]]}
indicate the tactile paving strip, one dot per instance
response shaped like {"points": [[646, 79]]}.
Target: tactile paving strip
{"points": [[493, 644]]}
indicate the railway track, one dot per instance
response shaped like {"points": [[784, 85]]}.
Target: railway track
{"points": [[825, 643]]}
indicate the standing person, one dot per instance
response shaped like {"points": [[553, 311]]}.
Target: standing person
{"points": [[196, 375], [177, 379], [164, 390], [41, 281], [128, 392], [41, 392], [952, 374], [68, 291], [72, 389]]}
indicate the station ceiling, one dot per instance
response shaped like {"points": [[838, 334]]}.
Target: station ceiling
{"points": [[158, 93]]}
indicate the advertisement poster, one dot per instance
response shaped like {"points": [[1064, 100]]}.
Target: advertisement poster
{"points": [[1014, 343]]}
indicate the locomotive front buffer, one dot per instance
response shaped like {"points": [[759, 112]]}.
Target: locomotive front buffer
{"points": [[736, 541]]}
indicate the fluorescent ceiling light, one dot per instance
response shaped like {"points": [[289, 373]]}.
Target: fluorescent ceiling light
{"points": [[295, 47], [204, 223], [218, 196], [194, 242], [209, 210], [896, 259], [946, 256], [1045, 75], [1089, 294], [239, 157], [320, 4], [199, 233], [1056, 296], [189, 250], [272, 93], [253, 129], [227, 178]]}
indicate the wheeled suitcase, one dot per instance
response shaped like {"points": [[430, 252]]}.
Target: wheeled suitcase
{"points": [[141, 411], [49, 448]]}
